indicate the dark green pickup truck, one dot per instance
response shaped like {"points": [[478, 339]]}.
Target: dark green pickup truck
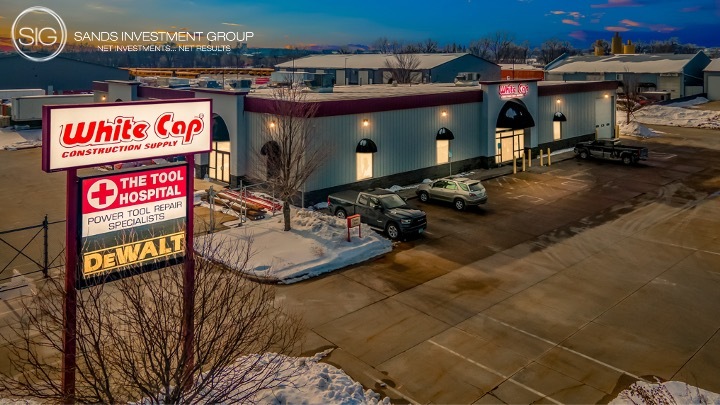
{"points": [[611, 149], [381, 209]]}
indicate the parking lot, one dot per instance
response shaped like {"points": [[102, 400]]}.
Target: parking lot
{"points": [[574, 281]]}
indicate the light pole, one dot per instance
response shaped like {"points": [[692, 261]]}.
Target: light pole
{"points": [[346, 78]]}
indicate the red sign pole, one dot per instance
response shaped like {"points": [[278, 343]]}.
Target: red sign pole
{"points": [[70, 304], [189, 278]]}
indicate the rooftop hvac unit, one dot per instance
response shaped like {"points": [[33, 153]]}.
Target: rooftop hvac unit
{"points": [[240, 85]]}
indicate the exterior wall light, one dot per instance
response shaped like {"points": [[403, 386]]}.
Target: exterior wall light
{"points": [[366, 122], [103, 98], [444, 113], [558, 101], [272, 124], [607, 95]]}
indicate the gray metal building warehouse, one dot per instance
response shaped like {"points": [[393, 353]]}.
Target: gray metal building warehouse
{"points": [[382, 134], [712, 80], [57, 75], [373, 69], [680, 75]]}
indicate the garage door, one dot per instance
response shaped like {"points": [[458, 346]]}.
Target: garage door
{"points": [[603, 118], [671, 84], [713, 91]]}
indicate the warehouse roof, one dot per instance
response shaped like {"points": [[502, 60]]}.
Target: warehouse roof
{"points": [[367, 61], [636, 63], [714, 66]]}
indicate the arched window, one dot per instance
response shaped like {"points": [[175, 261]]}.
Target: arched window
{"points": [[271, 150], [442, 145], [364, 158], [558, 119]]}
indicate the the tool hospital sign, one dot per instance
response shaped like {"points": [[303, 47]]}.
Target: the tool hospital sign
{"points": [[131, 222], [95, 134]]}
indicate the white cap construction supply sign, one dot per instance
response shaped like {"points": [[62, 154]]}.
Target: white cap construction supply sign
{"points": [[131, 222], [84, 135]]}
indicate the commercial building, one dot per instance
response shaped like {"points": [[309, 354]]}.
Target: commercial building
{"points": [[362, 69], [712, 80], [59, 75], [381, 135], [679, 75]]}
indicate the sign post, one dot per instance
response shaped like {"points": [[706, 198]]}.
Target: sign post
{"points": [[352, 222], [128, 221]]}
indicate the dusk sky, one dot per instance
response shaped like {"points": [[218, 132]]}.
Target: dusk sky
{"points": [[323, 22]]}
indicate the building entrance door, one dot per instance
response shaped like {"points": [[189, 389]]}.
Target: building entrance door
{"points": [[510, 144], [220, 162]]}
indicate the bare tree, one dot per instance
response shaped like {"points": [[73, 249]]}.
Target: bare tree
{"points": [[629, 102], [552, 49], [290, 153], [130, 339], [382, 45], [403, 67], [429, 46], [481, 48]]}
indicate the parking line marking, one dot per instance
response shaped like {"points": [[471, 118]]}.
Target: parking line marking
{"points": [[602, 363], [499, 374]]}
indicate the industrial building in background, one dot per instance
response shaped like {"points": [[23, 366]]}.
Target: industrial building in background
{"points": [[712, 80], [675, 75], [362, 69]]}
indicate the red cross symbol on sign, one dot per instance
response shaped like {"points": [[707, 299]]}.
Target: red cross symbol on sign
{"points": [[102, 194]]}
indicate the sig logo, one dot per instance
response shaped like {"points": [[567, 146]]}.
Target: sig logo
{"points": [[38, 28]]}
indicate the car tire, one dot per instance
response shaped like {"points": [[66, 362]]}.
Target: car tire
{"points": [[341, 213], [424, 196], [627, 159], [393, 230], [583, 154], [459, 204]]}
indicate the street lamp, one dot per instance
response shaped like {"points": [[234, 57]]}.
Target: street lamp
{"points": [[346, 78]]}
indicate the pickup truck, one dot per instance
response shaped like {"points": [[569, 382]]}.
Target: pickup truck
{"points": [[381, 209], [611, 149]]}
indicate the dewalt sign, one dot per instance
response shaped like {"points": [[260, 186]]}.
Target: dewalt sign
{"points": [[131, 222]]}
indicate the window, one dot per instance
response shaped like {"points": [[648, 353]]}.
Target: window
{"points": [[363, 200], [443, 151], [440, 184], [463, 186], [451, 185], [557, 130], [364, 165]]}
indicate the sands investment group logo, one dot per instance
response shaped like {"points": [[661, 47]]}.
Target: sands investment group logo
{"points": [[39, 29]]}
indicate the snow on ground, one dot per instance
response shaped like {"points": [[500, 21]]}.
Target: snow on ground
{"points": [[11, 139], [639, 130], [689, 103], [676, 115], [670, 392], [317, 383], [316, 244]]}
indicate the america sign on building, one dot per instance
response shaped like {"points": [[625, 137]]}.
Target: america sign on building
{"points": [[87, 135], [130, 222]]}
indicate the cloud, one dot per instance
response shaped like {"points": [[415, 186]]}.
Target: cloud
{"points": [[616, 3], [579, 35], [662, 28], [106, 9], [631, 23], [617, 29], [233, 24], [576, 14], [557, 12], [570, 22]]}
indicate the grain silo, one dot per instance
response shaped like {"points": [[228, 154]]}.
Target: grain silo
{"points": [[629, 48], [616, 48]]}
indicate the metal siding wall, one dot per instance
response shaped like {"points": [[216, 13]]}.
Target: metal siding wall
{"points": [[405, 140], [446, 72], [579, 109]]}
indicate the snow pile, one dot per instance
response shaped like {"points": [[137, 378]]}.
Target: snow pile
{"points": [[316, 244], [690, 103], [315, 383], [671, 392], [636, 129], [678, 117], [23, 145]]}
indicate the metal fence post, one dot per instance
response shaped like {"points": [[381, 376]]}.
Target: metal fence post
{"points": [[45, 246]]}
